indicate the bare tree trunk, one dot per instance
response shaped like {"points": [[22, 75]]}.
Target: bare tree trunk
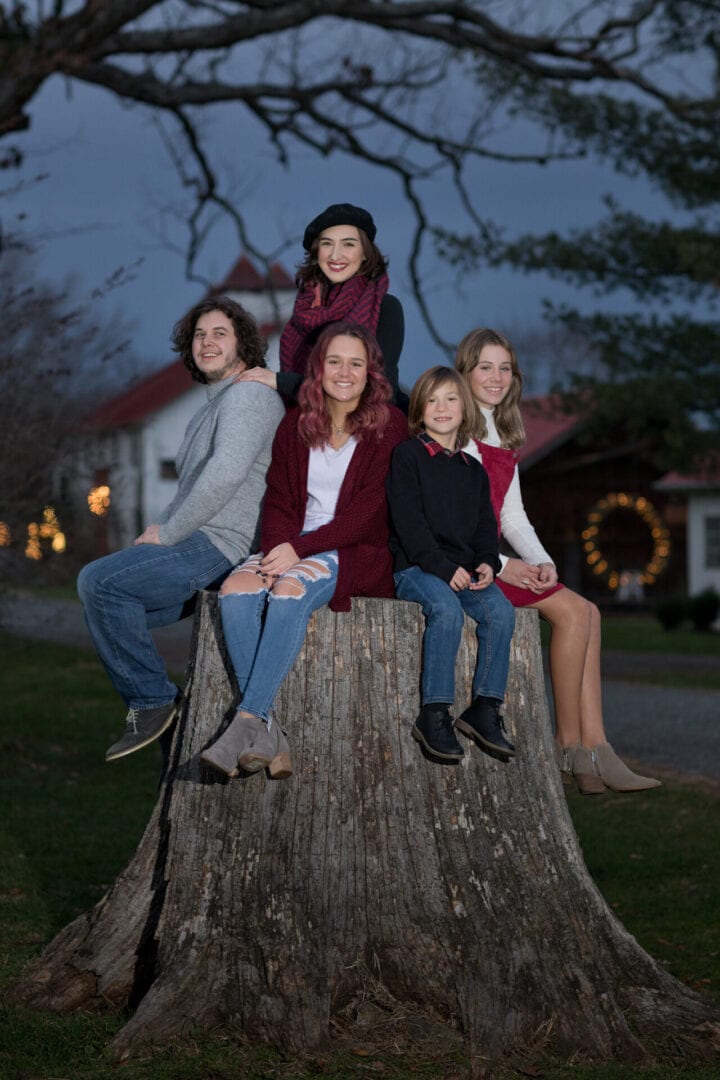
{"points": [[459, 891]]}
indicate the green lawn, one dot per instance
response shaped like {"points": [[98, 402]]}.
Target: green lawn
{"points": [[69, 823], [643, 633]]}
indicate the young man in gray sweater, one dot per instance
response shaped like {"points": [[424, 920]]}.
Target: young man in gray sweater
{"points": [[210, 525]]}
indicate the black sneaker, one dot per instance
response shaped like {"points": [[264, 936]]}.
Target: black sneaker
{"points": [[143, 726], [433, 729], [483, 723]]}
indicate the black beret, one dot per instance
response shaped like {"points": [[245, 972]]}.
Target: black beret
{"points": [[340, 214]]}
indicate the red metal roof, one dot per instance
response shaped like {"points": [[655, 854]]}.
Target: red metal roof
{"points": [[242, 276], [546, 428], [145, 397]]}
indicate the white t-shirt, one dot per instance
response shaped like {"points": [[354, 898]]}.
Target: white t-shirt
{"points": [[514, 523], [326, 472]]}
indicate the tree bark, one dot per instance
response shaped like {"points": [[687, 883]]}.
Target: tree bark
{"points": [[457, 891]]}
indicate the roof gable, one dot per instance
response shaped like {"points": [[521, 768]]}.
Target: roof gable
{"points": [[244, 277]]}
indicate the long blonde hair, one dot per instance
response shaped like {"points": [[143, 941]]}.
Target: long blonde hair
{"points": [[506, 415]]}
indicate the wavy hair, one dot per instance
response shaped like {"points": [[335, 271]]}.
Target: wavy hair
{"points": [[507, 416], [373, 266], [372, 414], [428, 383], [251, 345]]}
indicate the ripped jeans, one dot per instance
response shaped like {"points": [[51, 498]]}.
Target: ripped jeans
{"points": [[265, 628]]}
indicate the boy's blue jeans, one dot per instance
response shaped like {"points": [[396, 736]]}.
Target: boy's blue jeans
{"points": [[264, 631], [126, 593], [444, 611]]}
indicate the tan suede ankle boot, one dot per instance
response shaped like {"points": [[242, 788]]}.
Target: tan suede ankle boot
{"points": [[615, 773], [270, 750], [235, 741], [585, 772]]}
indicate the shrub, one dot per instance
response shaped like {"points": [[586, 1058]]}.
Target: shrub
{"points": [[670, 612], [703, 608]]}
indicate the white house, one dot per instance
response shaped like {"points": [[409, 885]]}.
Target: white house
{"points": [[129, 444], [702, 492]]}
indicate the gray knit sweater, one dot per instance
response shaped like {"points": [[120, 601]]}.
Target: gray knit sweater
{"points": [[221, 466]]}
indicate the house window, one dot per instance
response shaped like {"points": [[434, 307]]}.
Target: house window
{"points": [[712, 542], [168, 470]]}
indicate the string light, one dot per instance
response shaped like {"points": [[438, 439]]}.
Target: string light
{"points": [[660, 536], [99, 500], [47, 529]]}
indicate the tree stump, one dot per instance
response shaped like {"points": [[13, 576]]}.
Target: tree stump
{"points": [[458, 891]]}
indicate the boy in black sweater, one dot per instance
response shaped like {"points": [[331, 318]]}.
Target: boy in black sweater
{"points": [[444, 541]]}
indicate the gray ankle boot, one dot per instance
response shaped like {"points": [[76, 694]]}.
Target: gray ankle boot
{"points": [[235, 741], [269, 750], [585, 772], [615, 773]]}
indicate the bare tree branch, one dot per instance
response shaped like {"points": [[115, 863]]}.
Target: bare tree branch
{"points": [[599, 76]]}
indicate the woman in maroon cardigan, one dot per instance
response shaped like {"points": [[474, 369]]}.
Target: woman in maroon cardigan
{"points": [[324, 535]]}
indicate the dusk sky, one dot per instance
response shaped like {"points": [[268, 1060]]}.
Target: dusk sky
{"points": [[111, 185]]}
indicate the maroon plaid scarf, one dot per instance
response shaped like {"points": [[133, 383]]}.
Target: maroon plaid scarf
{"points": [[356, 300]]}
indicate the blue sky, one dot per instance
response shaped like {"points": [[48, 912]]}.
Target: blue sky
{"points": [[111, 189]]}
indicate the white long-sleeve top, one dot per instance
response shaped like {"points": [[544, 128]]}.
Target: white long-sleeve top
{"points": [[514, 523]]}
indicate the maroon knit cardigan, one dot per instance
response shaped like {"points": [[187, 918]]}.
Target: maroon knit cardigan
{"points": [[359, 530]]}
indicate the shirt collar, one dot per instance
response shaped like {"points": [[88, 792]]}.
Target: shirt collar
{"points": [[433, 447]]}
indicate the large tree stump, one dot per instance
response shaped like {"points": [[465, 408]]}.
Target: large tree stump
{"points": [[459, 890]]}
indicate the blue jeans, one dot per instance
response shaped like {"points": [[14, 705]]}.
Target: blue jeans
{"points": [[264, 632], [126, 593], [444, 611]]}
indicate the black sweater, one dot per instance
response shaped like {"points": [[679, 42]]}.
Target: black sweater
{"points": [[440, 511]]}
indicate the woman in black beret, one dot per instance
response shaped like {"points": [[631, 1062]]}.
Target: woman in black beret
{"points": [[342, 278]]}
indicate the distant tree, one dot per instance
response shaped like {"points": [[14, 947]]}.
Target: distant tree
{"points": [[550, 355], [56, 359], [424, 89], [656, 377]]}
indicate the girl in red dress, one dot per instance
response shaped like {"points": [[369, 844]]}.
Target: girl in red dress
{"points": [[488, 361]]}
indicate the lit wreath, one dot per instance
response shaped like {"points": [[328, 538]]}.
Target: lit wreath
{"points": [[646, 511]]}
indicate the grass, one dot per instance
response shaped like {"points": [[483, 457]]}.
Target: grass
{"points": [[69, 823], [642, 633], [57, 591]]}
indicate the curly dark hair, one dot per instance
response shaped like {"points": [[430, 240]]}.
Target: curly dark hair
{"points": [[374, 263], [251, 345]]}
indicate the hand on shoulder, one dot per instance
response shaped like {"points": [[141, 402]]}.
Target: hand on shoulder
{"points": [[258, 375]]}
